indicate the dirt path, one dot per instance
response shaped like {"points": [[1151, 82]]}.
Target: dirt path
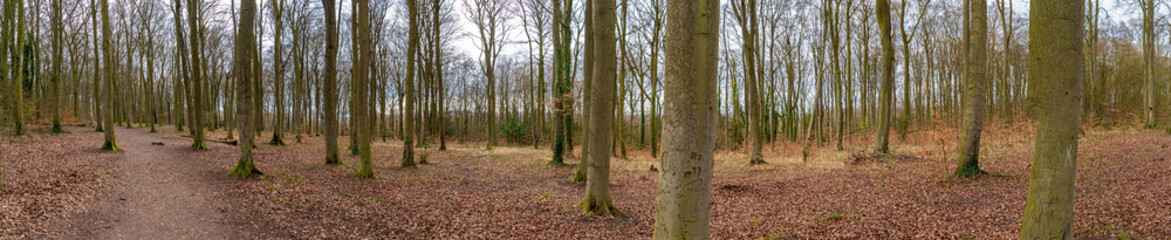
{"points": [[159, 192]]}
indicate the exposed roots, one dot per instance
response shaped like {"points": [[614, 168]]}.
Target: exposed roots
{"points": [[408, 157], [276, 141], [246, 169], [970, 171], [580, 174], [199, 145], [365, 174], [332, 159], [110, 146], [605, 208]]}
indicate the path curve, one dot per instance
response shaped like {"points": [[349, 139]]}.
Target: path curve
{"points": [[159, 192]]}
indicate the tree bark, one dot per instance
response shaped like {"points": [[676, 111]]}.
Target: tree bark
{"points": [[107, 46], [196, 76], [361, 78], [884, 108], [1055, 68], [244, 64], [597, 197], [683, 209], [409, 106], [330, 82], [588, 78], [975, 80], [278, 73]]}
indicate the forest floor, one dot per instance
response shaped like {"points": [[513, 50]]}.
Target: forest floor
{"points": [[60, 186]]}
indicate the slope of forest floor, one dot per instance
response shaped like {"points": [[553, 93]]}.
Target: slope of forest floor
{"points": [[509, 193]]}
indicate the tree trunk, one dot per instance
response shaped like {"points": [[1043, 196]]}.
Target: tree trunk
{"points": [[278, 73], [561, 67], [243, 70], [330, 82], [107, 46], [597, 196], [409, 82], [588, 78], [884, 108], [683, 208], [1055, 68], [58, 30], [196, 75], [361, 77], [974, 91]]}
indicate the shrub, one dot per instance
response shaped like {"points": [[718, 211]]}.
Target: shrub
{"points": [[515, 131]]}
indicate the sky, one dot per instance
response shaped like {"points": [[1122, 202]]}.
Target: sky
{"points": [[469, 45]]}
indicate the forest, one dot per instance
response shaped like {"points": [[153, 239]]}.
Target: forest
{"points": [[585, 119]]}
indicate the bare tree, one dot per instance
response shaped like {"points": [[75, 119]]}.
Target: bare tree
{"points": [[243, 70], [490, 19]]}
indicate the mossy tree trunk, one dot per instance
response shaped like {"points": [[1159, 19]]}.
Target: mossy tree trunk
{"points": [[745, 11], [561, 32], [196, 76], [108, 48], [278, 129], [58, 30], [975, 79], [330, 83], [361, 80], [1055, 69], [97, 77], [243, 67], [887, 88], [683, 209], [409, 83], [16, 13], [582, 173], [597, 196], [1148, 44]]}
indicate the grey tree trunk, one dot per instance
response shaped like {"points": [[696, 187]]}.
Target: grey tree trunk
{"points": [[588, 78], [683, 209], [975, 79], [597, 196], [1055, 69], [243, 69], [107, 46], [361, 78], [278, 73], [196, 76], [888, 59], [330, 82], [409, 105], [58, 30]]}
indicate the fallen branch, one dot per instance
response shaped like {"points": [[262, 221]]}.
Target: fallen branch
{"points": [[223, 141]]}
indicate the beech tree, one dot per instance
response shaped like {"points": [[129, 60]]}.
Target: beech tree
{"points": [[197, 104], [976, 71], [683, 209], [597, 197], [489, 17], [562, 119], [1055, 74], [330, 82], [746, 15], [277, 75], [887, 78], [58, 30], [108, 48], [409, 81], [361, 96], [242, 70]]}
